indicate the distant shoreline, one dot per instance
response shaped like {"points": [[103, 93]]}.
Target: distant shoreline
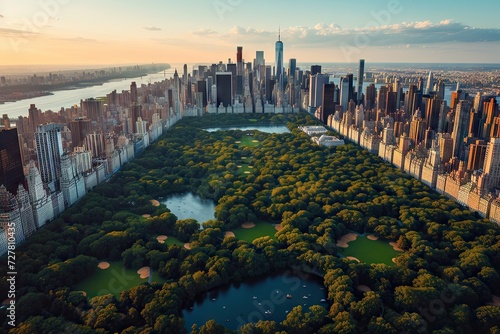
{"points": [[17, 93]]}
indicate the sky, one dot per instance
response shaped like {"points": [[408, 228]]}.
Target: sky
{"points": [[66, 32]]}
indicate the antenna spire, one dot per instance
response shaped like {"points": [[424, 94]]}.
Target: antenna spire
{"points": [[279, 33]]}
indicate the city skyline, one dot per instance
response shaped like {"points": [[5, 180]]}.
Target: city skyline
{"points": [[73, 32]]}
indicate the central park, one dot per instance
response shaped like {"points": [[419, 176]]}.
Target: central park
{"points": [[236, 230]]}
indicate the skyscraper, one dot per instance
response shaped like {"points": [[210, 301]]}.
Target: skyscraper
{"points": [[49, 151], [492, 163], [223, 80], [292, 68], [80, 128], [11, 165], [315, 69], [430, 84], [361, 73], [279, 60], [461, 127], [239, 60], [344, 93]]}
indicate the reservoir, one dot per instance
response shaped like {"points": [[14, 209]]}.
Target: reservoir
{"points": [[268, 298]]}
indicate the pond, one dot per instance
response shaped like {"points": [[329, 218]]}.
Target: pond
{"points": [[186, 206], [268, 298], [262, 128]]}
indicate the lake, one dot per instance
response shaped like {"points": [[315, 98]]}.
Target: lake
{"points": [[188, 205], [262, 128], [256, 299]]}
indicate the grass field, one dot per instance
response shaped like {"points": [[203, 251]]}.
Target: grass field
{"points": [[113, 280], [248, 141], [371, 251], [262, 229], [173, 241], [245, 168]]}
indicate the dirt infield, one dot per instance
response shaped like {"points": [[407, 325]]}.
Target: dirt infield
{"points": [[352, 258], [229, 234], [155, 202], [248, 225], [278, 227], [372, 237]]}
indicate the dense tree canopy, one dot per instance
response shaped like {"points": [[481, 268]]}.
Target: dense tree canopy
{"points": [[443, 282]]}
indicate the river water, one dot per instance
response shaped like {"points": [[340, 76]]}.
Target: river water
{"points": [[68, 98]]}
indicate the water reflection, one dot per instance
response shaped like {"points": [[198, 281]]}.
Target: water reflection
{"points": [[268, 298]]}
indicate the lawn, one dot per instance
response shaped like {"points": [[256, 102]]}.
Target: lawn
{"points": [[245, 168], [371, 251], [113, 280], [173, 241], [248, 141], [262, 229]]}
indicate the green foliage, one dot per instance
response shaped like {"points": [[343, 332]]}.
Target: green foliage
{"points": [[317, 194]]}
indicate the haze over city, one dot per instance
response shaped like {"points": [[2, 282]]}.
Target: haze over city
{"points": [[115, 32]]}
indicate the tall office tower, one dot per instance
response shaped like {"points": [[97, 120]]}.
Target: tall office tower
{"points": [[430, 84], [224, 81], [232, 68], [184, 86], [202, 88], [390, 103], [445, 147], [92, 109], [370, 97], [457, 96], [443, 112], [396, 87], [417, 128], [11, 164], [344, 93], [413, 100], [350, 77], [460, 127], [35, 117], [292, 67], [239, 60], [361, 74], [133, 93], [259, 58], [279, 60], [492, 164], [315, 69], [176, 94], [381, 98], [316, 91], [432, 113], [490, 111], [80, 128], [441, 89], [477, 153], [268, 88], [328, 99], [49, 151], [135, 113]]}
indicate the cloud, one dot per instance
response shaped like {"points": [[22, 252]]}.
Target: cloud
{"points": [[16, 32], [78, 40], [1, 16], [406, 33], [205, 32], [152, 28]]}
